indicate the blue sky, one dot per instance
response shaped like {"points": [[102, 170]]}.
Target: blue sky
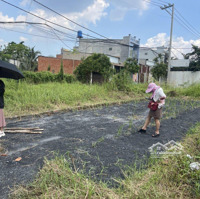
{"points": [[111, 18]]}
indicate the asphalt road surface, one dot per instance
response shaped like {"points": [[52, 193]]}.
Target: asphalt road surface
{"points": [[102, 139]]}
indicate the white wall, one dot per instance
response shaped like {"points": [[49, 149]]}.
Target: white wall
{"points": [[184, 78], [180, 63], [113, 59], [15, 62]]}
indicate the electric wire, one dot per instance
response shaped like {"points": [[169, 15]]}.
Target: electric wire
{"points": [[68, 19], [33, 34]]}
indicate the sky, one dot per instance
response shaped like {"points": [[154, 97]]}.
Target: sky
{"points": [[112, 19]]}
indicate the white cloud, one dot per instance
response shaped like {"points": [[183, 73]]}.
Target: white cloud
{"points": [[123, 6], [179, 45], [23, 38], [93, 12], [21, 18], [24, 2], [5, 18], [161, 39], [90, 14]]}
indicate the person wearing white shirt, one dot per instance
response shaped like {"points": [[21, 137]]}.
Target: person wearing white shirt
{"points": [[155, 105]]}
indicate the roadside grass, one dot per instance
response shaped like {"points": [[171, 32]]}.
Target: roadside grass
{"points": [[192, 91], [58, 180], [167, 177], [1, 148], [23, 98]]}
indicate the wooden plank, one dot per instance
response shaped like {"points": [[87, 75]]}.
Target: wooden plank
{"points": [[22, 128], [23, 131]]}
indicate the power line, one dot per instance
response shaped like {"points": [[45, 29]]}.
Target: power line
{"points": [[187, 22], [75, 22], [37, 23], [148, 48], [55, 23], [61, 40], [89, 41], [32, 34], [163, 1], [182, 23], [68, 19], [39, 16], [153, 3]]}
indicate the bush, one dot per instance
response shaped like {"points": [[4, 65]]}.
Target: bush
{"points": [[122, 82], [98, 63], [44, 77]]}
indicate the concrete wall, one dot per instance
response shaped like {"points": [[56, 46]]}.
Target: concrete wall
{"points": [[150, 54], [114, 59], [54, 63], [74, 56], [180, 63], [184, 78], [96, 46], [110, 47]]}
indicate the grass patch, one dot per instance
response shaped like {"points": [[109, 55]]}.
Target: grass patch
{"points": [[58, 180], [1, 149], [192, 91], [23, 98], [169, 177]]}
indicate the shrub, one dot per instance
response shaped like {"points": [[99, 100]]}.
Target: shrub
{"points": [[45, 76], [121, 81], [131, 65]]}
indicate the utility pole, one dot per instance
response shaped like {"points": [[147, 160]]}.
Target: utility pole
{"points": [[171, 33]]}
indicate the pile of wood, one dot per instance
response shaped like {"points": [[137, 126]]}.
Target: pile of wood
{"points": [[35, 130]]}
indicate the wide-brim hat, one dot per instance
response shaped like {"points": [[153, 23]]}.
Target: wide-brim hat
{"points": [[150, 87]]}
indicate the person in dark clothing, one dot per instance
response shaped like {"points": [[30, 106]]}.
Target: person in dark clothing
{"points": [[2, 118]]}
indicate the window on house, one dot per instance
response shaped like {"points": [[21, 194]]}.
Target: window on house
{"points": [[146, 53], [110, 49]]}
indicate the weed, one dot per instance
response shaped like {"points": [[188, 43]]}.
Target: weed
{"points": [[101, 139], [120, 130]]}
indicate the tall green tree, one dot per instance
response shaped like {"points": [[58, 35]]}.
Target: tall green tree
{"points": [[97, 62], [25, 55], [195, 58], [159, 69], [29, 61]]}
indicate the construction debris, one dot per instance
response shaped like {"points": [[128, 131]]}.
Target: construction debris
{"points": [[35, 130]]}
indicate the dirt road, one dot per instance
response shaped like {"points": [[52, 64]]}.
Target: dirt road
{"points": [[100, 139]]}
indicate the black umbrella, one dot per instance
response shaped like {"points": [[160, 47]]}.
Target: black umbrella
{"points": [[8, 70]]}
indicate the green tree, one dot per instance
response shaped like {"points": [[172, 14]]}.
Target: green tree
{"points": [[195, 57], [131, 65], [99, 63], [22, 53], [61, 73], [29, 61], [159, 69]]}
